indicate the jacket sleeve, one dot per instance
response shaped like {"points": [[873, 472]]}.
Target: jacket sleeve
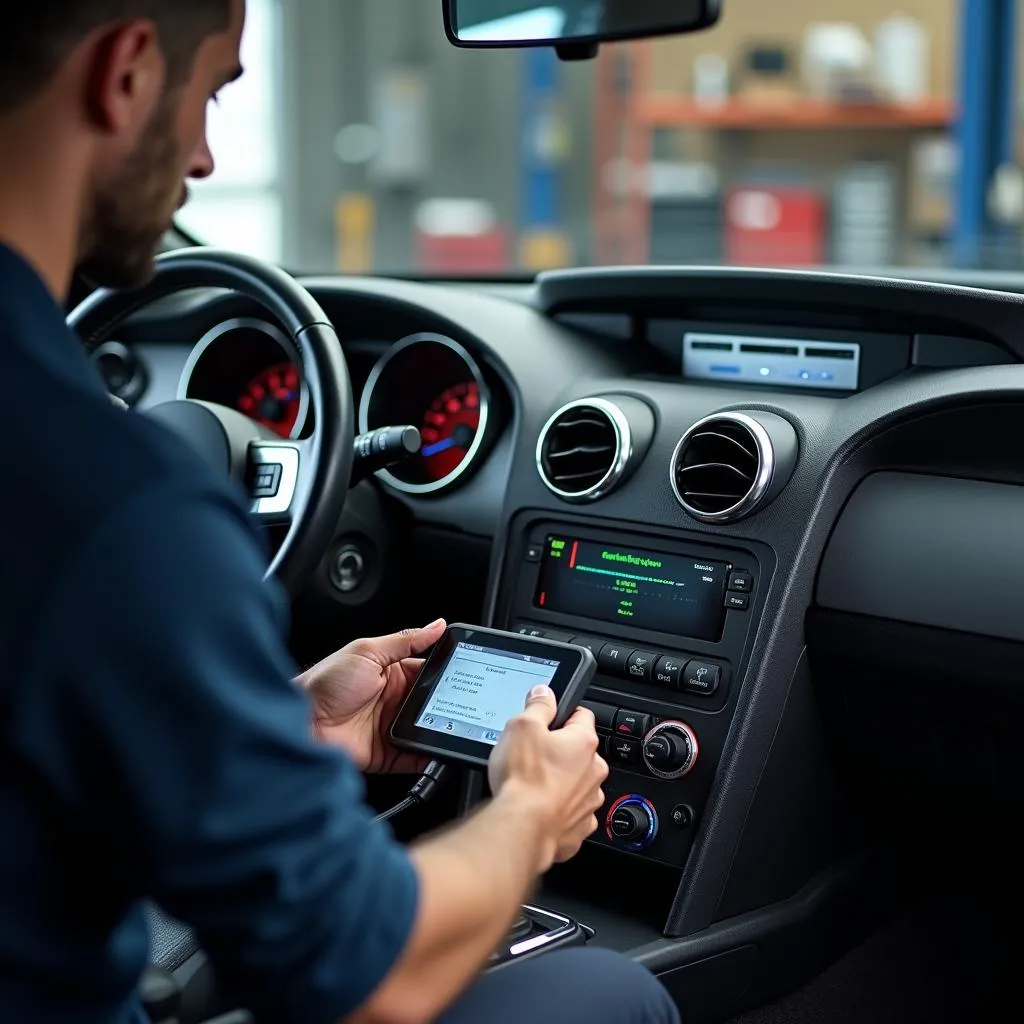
{"points": [[164, 700]]}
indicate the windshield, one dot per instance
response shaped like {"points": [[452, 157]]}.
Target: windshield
{"points": [[794, 133]]}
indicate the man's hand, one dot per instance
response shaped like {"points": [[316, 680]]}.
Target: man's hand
{"points": [[357, 693], [474, 877], [560, 770]]}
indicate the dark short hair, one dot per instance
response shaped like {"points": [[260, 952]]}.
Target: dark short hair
{"points": [[37, 35]]}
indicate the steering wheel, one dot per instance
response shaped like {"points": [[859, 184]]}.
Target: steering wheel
{"points": [[302, 483]]}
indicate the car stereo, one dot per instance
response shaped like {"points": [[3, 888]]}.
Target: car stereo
{"points": [[670, 619], [645, 589]]}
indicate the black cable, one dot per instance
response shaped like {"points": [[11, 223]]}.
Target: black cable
{"points": [[422, 790], [405, 804]]}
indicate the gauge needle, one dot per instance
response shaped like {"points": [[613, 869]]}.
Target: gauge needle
{"points": [[461, 437], [438, 447]]}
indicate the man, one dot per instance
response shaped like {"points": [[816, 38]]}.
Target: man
{"points": [[153, 743]]}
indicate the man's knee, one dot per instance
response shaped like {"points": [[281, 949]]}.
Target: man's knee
{"points": [[618, 988], [579, 984]]}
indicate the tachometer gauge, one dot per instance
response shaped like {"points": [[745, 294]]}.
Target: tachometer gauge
{"points": [[250, 365], [274, 398], [449, 429], [434, 384]]}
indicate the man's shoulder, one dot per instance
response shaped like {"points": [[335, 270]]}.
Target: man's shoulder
{"points": [[79, 461], [83, 456]]}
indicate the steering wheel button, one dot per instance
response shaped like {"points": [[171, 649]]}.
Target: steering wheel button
{"points": [[267, 480]]}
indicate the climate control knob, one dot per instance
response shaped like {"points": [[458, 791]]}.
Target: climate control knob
{"points": [[631, 822], [670, 750]]}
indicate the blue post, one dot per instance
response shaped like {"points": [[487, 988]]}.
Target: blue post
{"points": [[543, 151], [986, 126], [1004, 78], [540, 174], [972, 135]]}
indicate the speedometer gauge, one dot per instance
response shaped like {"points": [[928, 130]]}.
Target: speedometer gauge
{"points": [[449, 429], [250, 365], [273, 398], [433, 383]]}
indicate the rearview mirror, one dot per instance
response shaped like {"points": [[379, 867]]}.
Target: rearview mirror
{"points": [[568, 24]]}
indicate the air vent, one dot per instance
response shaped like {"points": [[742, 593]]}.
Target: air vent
{"points": [[584, 449], [722, 467]]}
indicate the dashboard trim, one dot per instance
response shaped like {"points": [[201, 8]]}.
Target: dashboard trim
{"points": [[254, 324]]}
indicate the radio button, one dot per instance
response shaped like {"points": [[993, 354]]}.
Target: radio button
{"points": [[640, 665], [591, 643], [668, 671], [701, 678], [682, 816], [614, 658], [741, 582], [603, 713], [631, 723], [737, 602], [623, 751]]}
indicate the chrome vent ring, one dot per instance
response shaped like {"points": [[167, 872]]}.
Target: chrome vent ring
{"points": [[584, 449], [722, 467]]}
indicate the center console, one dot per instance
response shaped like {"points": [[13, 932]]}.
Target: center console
{"points": [[537, 931], [670, 621]]}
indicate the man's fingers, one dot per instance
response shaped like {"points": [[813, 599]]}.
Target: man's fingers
{"points": [[398, 646], [581, 718], [541, 704]]}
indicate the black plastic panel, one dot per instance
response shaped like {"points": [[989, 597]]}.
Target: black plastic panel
{"points": [[800, 822], [930, 550], [924, 722]]}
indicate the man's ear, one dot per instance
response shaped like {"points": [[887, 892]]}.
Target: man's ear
{"points": [[125, 77]]}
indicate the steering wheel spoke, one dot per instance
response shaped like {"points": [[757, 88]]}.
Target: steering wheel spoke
{"points": [[275, 473]]}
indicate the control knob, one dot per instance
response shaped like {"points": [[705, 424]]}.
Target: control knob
{"points": [[670, 750], [632, 822]]}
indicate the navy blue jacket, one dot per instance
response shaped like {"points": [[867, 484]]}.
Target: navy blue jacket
{"points": [[153, 744]]}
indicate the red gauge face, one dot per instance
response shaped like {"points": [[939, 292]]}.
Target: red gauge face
{"points": [[274, 398], [449, 429]]}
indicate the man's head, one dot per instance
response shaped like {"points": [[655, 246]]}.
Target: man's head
{"points": [[128, 83]]}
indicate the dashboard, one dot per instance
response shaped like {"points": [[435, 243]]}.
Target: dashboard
{"points": [[781, 508]]}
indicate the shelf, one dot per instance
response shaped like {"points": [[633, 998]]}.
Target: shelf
{"points": [[667, 111]]}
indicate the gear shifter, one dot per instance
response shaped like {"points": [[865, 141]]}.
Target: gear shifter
{"points": [[381, 448]]}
